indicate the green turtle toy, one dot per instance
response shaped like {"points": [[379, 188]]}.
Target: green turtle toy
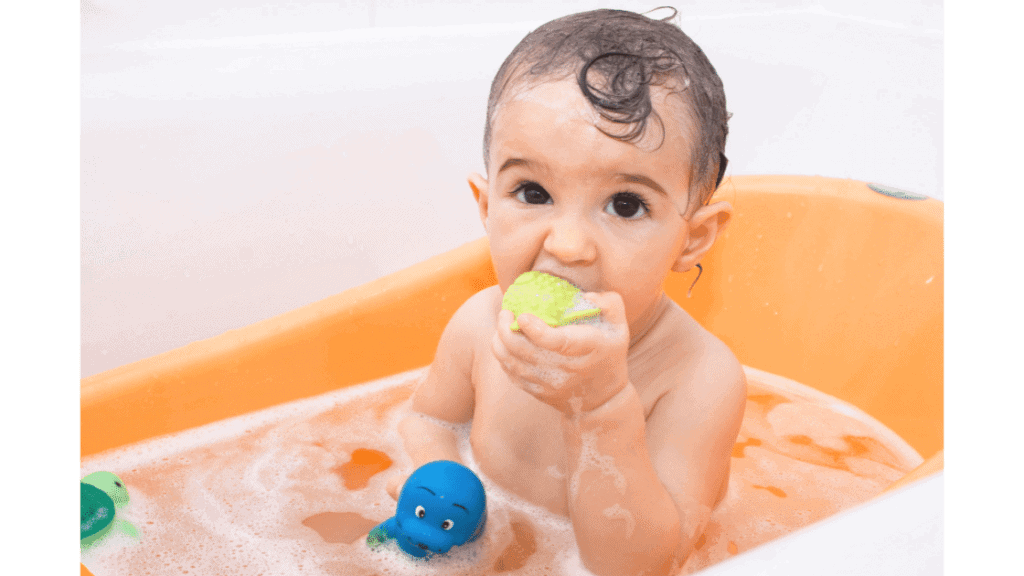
{"points": [[103, 493], [550, 298]]}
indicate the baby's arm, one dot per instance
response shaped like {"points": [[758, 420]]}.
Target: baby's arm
{"points": [[445, 394], [623, 518], [690, 436], [645, 489]]}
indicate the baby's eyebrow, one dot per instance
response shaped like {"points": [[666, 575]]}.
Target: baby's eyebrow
{"points": [[641, 179], [513, 162]]}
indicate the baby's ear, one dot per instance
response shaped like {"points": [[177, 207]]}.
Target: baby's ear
{"points": [[478, 184], [706, 224]]}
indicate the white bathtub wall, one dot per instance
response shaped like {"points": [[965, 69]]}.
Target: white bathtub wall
{"points": [[896, 534], [241, 159]]}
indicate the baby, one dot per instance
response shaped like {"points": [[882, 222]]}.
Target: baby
{"points": [[603, 145]]}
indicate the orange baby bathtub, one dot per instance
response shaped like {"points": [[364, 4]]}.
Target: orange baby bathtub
{"points": [[824, 281]]}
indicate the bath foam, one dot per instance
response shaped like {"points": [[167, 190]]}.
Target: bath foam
{"points": [[554, 376], [212, 500], [229, 428], [461, 431], [554, 472], [592, 460], [617, 512], [231, 497]]}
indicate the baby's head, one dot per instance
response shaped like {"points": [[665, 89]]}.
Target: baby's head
{"points": [[615, 57], [604, 140]]}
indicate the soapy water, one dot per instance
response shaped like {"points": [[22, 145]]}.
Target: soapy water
{"points": [[295, 489]]}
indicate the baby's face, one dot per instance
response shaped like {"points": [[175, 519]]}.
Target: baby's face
{"points": [[562, 197]]}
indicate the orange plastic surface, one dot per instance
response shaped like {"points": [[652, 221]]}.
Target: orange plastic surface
{"points": [[831, 284], [384, 327], [820, 280]]}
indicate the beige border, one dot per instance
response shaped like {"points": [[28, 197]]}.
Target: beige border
{"points": [[39, 259], [983, 286]]}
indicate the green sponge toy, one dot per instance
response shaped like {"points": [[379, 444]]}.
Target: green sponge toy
{"points": [[102, 494], [553, 300]]}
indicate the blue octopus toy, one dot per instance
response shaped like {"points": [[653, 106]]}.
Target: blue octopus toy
{"points": [[441, 505]]}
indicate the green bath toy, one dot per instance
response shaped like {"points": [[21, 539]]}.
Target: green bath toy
{"points": [[553, 300], [97, 510], [103, 493]]}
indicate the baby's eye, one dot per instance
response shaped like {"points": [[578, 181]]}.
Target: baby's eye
{"points": [[626, 205], [420, 512], [447, 524], [532, 193]]}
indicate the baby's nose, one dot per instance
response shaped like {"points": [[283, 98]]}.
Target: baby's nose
{"points": [[570, 240]]}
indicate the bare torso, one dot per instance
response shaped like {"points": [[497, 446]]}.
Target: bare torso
{"points": [[517, 439]]}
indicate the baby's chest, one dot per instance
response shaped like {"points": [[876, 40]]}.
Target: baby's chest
{"points": [[510, 427]]}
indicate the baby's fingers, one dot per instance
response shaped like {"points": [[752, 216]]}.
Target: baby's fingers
{"points": [[511, 362], [561, 339], [524, 345], [571, 342], [511, 342], [613, 309]]}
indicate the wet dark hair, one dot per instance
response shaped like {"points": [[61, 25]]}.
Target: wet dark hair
{"points": [[616, 56]]}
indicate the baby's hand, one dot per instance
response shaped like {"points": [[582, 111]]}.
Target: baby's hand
{"points": [[571, 368]]}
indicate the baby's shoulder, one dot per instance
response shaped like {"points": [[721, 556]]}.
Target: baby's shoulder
{"points": [[696, 360], [463, 336], [478, 314]]}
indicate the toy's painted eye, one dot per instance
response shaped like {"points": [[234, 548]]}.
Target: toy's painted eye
{"points": [[447, 524], [420, 512], [118, 484]]}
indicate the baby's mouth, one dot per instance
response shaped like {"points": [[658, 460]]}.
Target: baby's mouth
{"points": [[566, 278]]}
